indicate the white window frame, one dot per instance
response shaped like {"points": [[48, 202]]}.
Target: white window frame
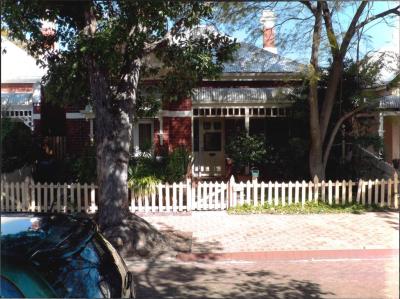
{"points": [[135, 139]]}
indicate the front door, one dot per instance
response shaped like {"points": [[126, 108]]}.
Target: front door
{"points": [[211, 156]]}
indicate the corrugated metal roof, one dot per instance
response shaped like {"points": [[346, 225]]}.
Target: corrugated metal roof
{"points": [[25, 98], [389, 102], [251, 59], [240, 95]]}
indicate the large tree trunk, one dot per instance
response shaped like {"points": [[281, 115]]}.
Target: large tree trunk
{"points": [[315, 154]]}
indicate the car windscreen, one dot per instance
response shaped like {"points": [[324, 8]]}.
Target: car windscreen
{"points": [[9, 289]]}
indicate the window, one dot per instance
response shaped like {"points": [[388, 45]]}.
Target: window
{"points": [[212, 141], [145, 137]]}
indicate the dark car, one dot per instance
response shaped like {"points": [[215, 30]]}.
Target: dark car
{"points": [[47, 255]]}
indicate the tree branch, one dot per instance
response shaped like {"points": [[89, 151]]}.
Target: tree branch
{"points": [[352, 29], [309, 6], [395, 10], [329, 29], [336, 129]]}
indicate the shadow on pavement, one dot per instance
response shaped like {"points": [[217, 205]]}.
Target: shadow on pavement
{"points": [[210, 280], [390, 218]]}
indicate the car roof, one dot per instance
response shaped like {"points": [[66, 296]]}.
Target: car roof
{"points": [[29, 234]]}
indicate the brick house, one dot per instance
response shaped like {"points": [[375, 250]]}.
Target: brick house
{"points": [[251, 94]]}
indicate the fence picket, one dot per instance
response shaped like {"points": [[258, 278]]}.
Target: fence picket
{"points": [[146, 201], [85, 198], [72, 202], [337, 194], [198, 197], [344, 185], [290, 193], [323, 187], [2, 196], [303, 193], [316, 185], [167, 197], [376, 191], [180, 196], [7, 196], [283, 193], [296, 192], [17, 196], [160, 197], [363, 185], [93, 207], [223, 188], [382, 199], [389, 197], [248, 192], [78, 197], [32, 205], [359, 187], [189, 194], [65, 197], [255, 193], [330, 192], [350, 191], [174, 199], [12, 197], [310, 191], [369, 192], [270, 193], [396, 190], [276, 197], [210, 195], [39, 197], [58, 198]]}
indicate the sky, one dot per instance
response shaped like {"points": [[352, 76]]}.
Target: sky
{"points": [[380, 35]]}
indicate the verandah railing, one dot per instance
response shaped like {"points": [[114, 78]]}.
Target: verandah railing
{"points": [[191, 195]]}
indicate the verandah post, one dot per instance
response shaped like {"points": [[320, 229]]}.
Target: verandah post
{"points": [[396, 190]]}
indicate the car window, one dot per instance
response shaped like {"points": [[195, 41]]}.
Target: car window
{"points": [[8, 289]]}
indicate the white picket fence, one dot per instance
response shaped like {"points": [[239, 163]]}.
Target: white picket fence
{"points": [[189, 196]]}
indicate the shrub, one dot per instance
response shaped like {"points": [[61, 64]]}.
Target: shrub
{"points": [[177, 164], [84, 168], [246, 150], [17, 145]]}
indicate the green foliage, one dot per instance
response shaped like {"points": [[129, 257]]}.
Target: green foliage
{"points": [[163, 35], [84, 168], [144, 173], [177, 164], [246, 150], [308, 208], [368, 140], [17, 145]]}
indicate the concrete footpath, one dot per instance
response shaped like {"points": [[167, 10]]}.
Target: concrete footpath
{"points": [[273, 256], [220, 233]]}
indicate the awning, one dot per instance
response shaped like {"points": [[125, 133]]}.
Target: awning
{"points": [[240, 95]]}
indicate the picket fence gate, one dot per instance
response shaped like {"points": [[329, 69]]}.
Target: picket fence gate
{"points": [[197, 196]]}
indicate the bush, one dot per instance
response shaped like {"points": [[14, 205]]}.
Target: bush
{"points": [[17, 145], [246, 150], [144, 173], [177, 164], [84, 168]]}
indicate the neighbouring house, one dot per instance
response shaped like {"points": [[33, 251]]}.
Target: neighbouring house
{"points": [[251, 95]]}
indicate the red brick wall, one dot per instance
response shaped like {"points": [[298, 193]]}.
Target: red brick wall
{"points": [[181, 105], [16, 87], [177, 132], [77, 135]]}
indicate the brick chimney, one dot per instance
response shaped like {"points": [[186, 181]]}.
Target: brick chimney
{"points": [[48, 30], [268, 21]]}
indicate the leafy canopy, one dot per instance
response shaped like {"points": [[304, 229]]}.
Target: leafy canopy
{"points": [[175, 52]]}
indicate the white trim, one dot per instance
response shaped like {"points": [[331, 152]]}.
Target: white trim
{"points": [[36, 116], [169, 113], [74, 115]]}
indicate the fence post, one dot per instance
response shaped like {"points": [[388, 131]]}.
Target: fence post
{"points": [[396, 190], [316, 183], [231, 184]]}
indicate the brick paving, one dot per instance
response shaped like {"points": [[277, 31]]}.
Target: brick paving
{"points": [[219, 232]]}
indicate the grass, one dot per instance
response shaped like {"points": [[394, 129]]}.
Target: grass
{"points": [[309, 208]]}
